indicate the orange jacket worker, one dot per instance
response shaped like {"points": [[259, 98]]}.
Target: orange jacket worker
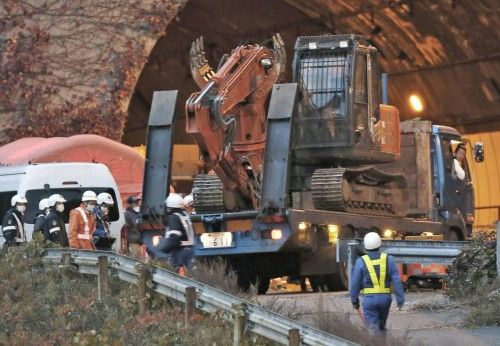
{"points": [[82, 223]]}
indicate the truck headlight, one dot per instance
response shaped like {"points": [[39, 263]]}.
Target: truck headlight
{"points": [[333, 233], [276, 234], [389, 233]]}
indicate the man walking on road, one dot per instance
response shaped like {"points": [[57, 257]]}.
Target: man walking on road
{"points": [[373, 275]]}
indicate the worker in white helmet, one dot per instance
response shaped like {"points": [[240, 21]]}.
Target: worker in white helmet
{"points": [[40, 218], [54, 229], [82, 223], [102, 237], [13, 221], [373, 275], [178, 240], [188, 202]]}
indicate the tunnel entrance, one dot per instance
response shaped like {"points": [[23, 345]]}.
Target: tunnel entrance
{"points": [[224, 27], [427, 49]]}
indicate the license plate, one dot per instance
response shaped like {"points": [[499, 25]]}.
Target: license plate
{"points": [[220, 239]]}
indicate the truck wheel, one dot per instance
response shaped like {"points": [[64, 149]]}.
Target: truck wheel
{"points": [[451, 235], [263, 285], [334, 282], [316, 282]]}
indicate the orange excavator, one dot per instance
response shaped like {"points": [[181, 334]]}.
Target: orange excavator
{"points": [[339, 133], [227, 119]]}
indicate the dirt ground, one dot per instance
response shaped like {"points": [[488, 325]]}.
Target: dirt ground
{"points": [[434, 327]]}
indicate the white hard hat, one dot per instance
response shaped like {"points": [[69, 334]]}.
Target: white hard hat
{"points": [[372, 241], [89, 196], [43, 204], [188, 200], [18, 199], [56, 198], [105, 197], [174, 200]]}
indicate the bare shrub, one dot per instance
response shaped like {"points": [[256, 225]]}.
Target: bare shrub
{"points": [[46, 304], [485, 306], [349, 326], [217, 273]]}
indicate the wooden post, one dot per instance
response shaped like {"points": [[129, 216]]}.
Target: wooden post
{"points": [[66, 259], [294, 337], [102, 277], [239, 323], [142, 290], [190, 306]]}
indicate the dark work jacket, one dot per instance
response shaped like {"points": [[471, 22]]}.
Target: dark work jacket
{"points": [[133, 234], [54, 229], [39, 223], [13, 232], [176, 231]]}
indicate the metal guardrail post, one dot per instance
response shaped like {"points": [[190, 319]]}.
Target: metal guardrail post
{"points": [[142, 289], [498, 248], [293, 337], [66, 259], [351, 260], [190, 305], [102, 276], [239, 323]]}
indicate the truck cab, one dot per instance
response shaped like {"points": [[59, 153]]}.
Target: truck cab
{"points": [[453, 197]]}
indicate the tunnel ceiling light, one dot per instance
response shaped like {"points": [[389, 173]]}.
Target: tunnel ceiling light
{"points": [[416, 103]]}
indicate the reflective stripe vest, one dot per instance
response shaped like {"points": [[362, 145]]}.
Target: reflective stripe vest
{"points": [[378, 282], [188, 227], [86, 234]]}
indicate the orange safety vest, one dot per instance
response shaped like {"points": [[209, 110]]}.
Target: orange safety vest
{"points": [[81, 229]]}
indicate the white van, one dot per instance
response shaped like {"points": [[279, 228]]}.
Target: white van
{"points": [[39, 181]]}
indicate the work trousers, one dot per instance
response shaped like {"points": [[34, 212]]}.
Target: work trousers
{"points": [[376, 310]]}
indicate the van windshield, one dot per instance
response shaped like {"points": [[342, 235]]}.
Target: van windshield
{"points": [[73, 197]]}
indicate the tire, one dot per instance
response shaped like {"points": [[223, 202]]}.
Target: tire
{"points": [[263, 285], [245, 280], [451, 235], [334, 282]]}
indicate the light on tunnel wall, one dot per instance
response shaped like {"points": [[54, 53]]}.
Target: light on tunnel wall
{"points": [[416, 103]]}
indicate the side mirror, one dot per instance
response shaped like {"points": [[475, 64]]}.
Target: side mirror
{"points": [[479, 152]]}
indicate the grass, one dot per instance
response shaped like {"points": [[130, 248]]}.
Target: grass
{"points": [[349, 326], [46, 304]]}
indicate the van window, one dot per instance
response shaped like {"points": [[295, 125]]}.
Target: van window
{"points": [[73, 197], [5, 197]]}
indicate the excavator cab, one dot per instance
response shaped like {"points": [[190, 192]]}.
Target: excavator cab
{"points": [[340, 119]]}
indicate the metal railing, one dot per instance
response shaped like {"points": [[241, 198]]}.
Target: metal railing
{"points": [[244, 315], [404, 251]]}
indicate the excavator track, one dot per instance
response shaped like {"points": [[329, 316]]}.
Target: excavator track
{"points": [[208, 194], [326, 186], [365, 191]]}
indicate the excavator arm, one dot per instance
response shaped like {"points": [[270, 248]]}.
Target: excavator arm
{"points": [[227, 118]]}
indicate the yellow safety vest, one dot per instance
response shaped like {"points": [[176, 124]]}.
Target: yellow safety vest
{"points": [[378, 283]]}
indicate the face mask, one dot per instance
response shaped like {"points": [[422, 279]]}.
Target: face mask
{"points": [[21, 208], [137, 209], [104, 209], [60, 208], [90, 207]]}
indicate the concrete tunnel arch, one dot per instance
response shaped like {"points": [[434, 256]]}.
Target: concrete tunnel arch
{"points": [[447, 52]]}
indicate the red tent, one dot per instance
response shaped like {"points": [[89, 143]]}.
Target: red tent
{"points": [[125, 164]]}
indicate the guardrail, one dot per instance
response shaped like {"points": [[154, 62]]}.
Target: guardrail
{"points": [[193, 294], [404, 251]]}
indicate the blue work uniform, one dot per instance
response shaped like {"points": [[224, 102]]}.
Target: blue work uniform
{"points": [[176, 246], [372, 276]]}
